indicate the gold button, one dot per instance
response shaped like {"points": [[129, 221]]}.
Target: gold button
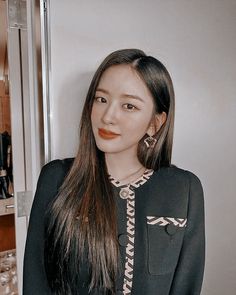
{"points": [[124, 193]]}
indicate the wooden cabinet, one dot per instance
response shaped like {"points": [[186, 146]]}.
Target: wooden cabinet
{"points": [[7, 220], [5, 119], [7, 225], [6, 206]]}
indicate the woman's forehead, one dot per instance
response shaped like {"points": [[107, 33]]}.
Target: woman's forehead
{"points": [[124, 79]]}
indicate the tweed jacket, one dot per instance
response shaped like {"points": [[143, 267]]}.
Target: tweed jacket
{"points": [[160, 233]]}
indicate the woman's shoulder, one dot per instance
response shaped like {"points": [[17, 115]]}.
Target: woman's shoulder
{"points": [[50, 179], [178, 183], [56, 167], [178, 175], [55, 171], [52, 174]]}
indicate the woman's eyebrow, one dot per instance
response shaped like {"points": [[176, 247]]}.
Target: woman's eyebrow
{"points": [[102, 90], [125, 95], [132, 96]]}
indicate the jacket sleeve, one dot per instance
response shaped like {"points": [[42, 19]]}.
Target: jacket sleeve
{"points": [[34, 276], [190, 268]]}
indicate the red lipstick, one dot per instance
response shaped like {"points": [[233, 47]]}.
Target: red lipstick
{"points": [[106, 134]]}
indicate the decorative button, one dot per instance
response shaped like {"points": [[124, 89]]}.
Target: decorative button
{"points": [[124, 193], [171, 229], [123, 239]]}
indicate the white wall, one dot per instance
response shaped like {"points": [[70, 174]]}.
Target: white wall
{"points": [[196, 40]]}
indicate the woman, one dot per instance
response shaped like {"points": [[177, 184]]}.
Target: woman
{"points": [[119, 218]]}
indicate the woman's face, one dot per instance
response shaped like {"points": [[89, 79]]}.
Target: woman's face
{"points": [[122, 110]]}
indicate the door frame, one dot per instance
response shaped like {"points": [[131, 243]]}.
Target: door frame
{"points": [[27, 130]]}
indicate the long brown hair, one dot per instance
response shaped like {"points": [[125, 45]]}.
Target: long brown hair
{"points": [[82, 220]]}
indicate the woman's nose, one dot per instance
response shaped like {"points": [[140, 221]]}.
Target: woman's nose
{"points": [[110, 115]]}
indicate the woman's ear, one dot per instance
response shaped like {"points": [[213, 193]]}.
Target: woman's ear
{"points": [[156, 123]]}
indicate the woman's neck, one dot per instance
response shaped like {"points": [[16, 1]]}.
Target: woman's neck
{"points": [[121, 165]]}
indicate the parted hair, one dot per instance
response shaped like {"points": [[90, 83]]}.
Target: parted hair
{"points": [[82, 221]]}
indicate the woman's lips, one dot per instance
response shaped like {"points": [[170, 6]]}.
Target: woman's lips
{"points": [[106, 134]]}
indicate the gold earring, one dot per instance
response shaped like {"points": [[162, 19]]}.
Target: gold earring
{"points": [[150, 142]]}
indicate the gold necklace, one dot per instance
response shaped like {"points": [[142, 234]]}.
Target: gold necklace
{"points": [[132, 174], [125, 191]]}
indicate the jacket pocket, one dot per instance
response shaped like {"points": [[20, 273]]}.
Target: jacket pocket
{"points": [[165, 236]]}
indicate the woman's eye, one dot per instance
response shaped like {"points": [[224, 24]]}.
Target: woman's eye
{"points": [[129, 107], [100, 99]]}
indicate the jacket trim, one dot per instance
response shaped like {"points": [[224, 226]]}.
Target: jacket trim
{"points": [[128, 192]]}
